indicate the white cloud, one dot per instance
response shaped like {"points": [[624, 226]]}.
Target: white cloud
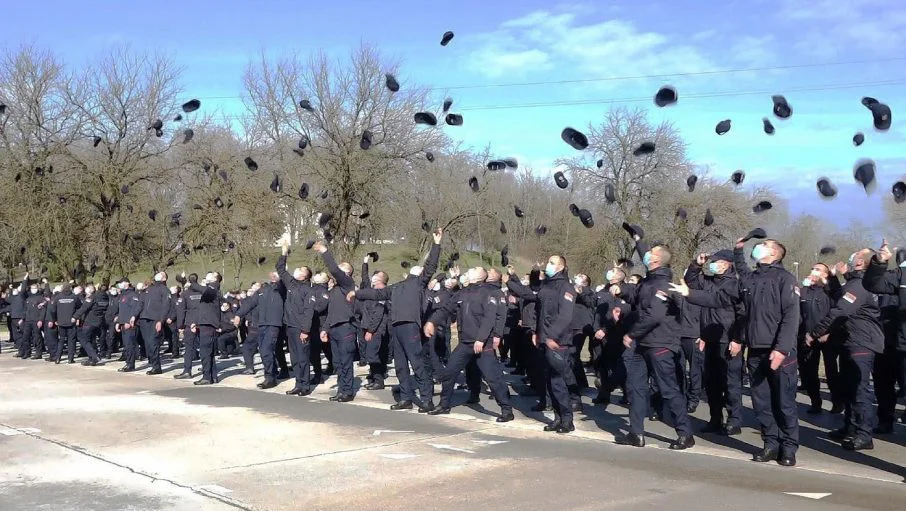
{"points": [[826, 28]]}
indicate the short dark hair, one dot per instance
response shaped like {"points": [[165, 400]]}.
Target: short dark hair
{"points": [[780, 248]]}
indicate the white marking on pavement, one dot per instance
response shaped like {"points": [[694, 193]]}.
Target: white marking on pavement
{"points": [[213, 488], [399, 456], [451, 448], [490, 442], [30, 430], [378, 432], [813, 496], [19, 431], [143, 392]]}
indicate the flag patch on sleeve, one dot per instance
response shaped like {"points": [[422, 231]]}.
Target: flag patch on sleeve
{"points": [[797, 291], [568, 297], [849, 297], [661, 294]]}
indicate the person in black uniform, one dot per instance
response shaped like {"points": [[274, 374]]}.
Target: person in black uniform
{"points": [[62, 311], [101, 305], [771, 299], [341, 321], [17, 298], [251, 342], [90, 317], [227, 336], [476, 309], [407, 299], [375, 319], [858, 314], [109, 347], [819, 291], [693, 354], [188, 324], [653, 349], [35, 316], [721, 307], [268, 305], [153, 319], [581, 326], [608, 338], [128, 311], [891, 285], [171, 329], [314, 324], [439, 346], [298, 288], [207, 321], [526, 290], [556, 300]]}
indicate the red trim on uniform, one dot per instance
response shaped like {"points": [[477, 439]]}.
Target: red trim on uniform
{"points": [[661, 352]]}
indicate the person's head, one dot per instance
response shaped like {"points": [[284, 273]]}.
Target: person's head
{"points": [[581, 280], [345, 268], [160, 276], [720, 262], [140, 286], [416, 271], [525, 280], [379, 280], [819, 274], [450, 284], [657, 257], [494, 276], [274, 277], [193, 278], [615, 275], [224, 306], [319, 278], [555, 265], [858, 261], [477, 275], [635, 278], [302, 274], [769, 252], [77, 290], [57, 289]]}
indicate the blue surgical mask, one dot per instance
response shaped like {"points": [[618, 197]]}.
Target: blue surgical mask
{"points": [[759, 252], [646, 259], [903, 264], [806, 282], [609, 275], [712, 267], [550, 270]]}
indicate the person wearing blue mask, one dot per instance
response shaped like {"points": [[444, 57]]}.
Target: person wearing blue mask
{"points": [[771, 297], [817, 294], [890, 365], [653, 350]]}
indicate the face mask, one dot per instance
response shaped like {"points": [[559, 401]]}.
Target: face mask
{"points": [[713, 268], [852, 261], [15, 292], [550, 270], [806, 282], [77, 290], [113, 292], [759, 252], [436, 287], [33, 290], [524, 282], [298, 275], [646, 260], [609, 275], [158, 278], [903, 264], [225, 308]]}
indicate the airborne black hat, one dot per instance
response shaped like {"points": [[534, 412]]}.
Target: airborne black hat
{"points": [[191, 105], [665, 96], [576, 139], [722, 127]]}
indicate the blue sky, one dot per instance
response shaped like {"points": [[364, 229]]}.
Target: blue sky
{"points": [[506, 42]]}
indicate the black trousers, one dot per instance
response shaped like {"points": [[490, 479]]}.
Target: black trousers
{"points": [[68, 335], [299, 357], [665, 367], [693, 370], [207, 336], [51, 341], [343, 345], [190, 346], [488, 365], [129, 345], [249, 347], [856, 364], [375, 356], [723, 374], [888, 367], [809, 360], [407, 350], [153, 340], [578, 342], [536, 367], [774, 400], [267, 345], [439, 350], [227, 343], [87, 336], [559, 374]]}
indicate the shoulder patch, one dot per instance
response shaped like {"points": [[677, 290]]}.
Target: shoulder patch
{"points": [[568, 297], [491, 299], [797, 291], [849, 297], [661, 295], [325, 296], [436, 299]]}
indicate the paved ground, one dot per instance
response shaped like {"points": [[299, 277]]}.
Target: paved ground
{"points": [[82, 438]]}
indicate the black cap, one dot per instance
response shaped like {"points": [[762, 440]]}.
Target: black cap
{"points": [[502, 227], [447, 104], [865, 174], [454, 119], [709, 218], [298, 151], [97, 140], [2, 108], [882, 116], [518, 212], [574, 138], [223, 175], [261, 260], [425, 118], [762, 206], [496, 165], [738, 177], [447, 37], [473, 183], [303, 191], [365, 142], [541, 230], [681, 213], [782, 109], [374, 256], [303, 142], [574, 210], [665, 96], [404, 265], [324, 219], [124, 189], [691, 181], [609, 194], [429, 156], [826, 189], [158, 133], [454, 256], [625, 262], [868, 101], [755, 234], [157, 125], [722, 255], [644, 148], [858, 138], [306, 105], [511, 162], [323, 193], [191, 105], [276, 185], [365, 214], [561, 180], [504, 260], [309, 244], [633, 230], [768, 127], [722, 127], [901, 256], [177, 118], [899, 192], [426, 227], [153, 215], [187, 135], [586, 218], [600, 163], [828, 249], [251, 164], [391, 83]]}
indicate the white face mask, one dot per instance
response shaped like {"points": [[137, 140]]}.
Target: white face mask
{"points": [[224, 308], [298, 275], [610, 275], [806, 282], [436, 287], [77, 290], [33, 290], [15, 292], [158, 278]]}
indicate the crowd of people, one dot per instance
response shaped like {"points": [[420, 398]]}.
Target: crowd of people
{"points": [[668, 341]]}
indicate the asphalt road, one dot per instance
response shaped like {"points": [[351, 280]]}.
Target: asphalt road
{"points": [[82, 438]]}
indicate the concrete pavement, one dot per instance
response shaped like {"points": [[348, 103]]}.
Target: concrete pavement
{"points": [[74, 437]]}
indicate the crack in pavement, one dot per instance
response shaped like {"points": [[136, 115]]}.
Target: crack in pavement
{"points": [[357, 449], [81, 450]]}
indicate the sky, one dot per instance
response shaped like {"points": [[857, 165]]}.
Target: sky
{"points": [[725, 58]]}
